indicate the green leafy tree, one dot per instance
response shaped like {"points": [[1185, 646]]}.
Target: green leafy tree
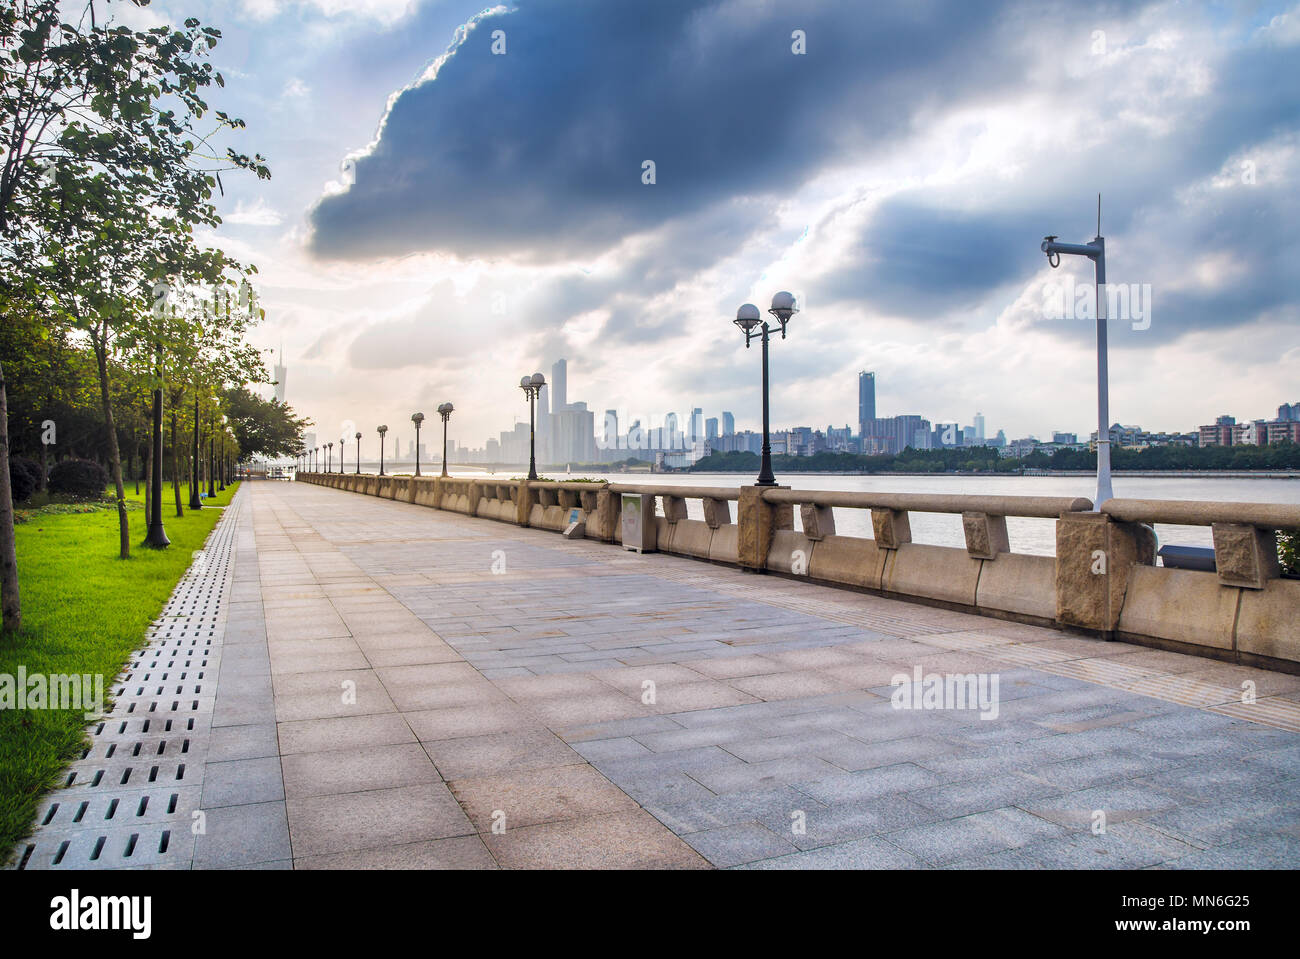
{"points": [[84, 92], [263, 427]]}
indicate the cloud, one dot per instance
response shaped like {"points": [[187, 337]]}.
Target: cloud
{"points": [[539, 152], [258, 214]]}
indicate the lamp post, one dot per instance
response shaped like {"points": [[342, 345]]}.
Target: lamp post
{"points": [[343, 442], [329, 457], [195, 501], [445, 410], [221, 459], [417, 419], [532, 387], [1095, 251], [358, 439], [382, 431], [748, 319], [212, 456], [156, 536]]}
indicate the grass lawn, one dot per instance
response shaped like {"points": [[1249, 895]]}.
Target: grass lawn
{"points": [[84, 611]]}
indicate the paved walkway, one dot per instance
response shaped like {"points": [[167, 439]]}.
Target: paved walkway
{"points": [[404, 687]]}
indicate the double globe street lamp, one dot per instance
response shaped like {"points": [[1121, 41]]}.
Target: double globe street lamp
{"points": [[417, 419], [751, 324], [532, 387], [445, 410]]}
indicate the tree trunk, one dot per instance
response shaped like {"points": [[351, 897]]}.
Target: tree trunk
{"points": [[148, 484], [114, 454], [176, 467], [195, 502], [10, 603]]}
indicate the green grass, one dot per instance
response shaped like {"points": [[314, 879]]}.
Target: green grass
{"points": [[84, 611]]}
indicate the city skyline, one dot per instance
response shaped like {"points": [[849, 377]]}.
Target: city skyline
{"points": [[912, 235]]}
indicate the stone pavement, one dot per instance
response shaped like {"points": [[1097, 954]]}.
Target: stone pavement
{"points": [[402, 687]]}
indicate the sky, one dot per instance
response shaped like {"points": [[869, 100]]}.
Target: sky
{"points": [[459, 197]]}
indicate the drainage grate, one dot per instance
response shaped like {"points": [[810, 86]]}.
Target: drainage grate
{"points": [[129, 801]]}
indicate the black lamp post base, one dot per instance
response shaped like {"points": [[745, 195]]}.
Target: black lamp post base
{"points": [[156, 538]]}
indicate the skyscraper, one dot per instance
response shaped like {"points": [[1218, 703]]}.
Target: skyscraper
{"points": [[281, 375], [728, 424], [711, 428], [560, 385], [610, 439], [979, 428], [697, 424], [866, 402]]}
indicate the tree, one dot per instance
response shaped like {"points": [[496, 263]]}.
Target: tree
{"points": [[263, 427], [93, 100]]}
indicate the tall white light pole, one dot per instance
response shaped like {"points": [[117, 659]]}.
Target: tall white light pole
{"points": [[1095, 251]]}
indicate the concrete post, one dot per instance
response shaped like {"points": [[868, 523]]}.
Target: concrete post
{"points": [[674, 509], [891, 528], [717, 512], [523, 502], [986, 535], [818, 521], [1093, 557], [1245, 555], [758, 521], [607, 511]]}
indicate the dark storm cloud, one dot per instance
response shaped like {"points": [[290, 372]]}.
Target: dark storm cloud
{"points": [[538, 153], [923, 257]]}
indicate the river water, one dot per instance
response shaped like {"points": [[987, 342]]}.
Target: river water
{"points": [[1027, 535]]}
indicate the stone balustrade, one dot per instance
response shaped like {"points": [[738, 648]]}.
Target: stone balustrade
{"points": [[1103, 579]]}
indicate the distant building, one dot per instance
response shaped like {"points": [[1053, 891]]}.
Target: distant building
{"points": [[1284, 431], [696, 425], [711, 429], [609, 437], [669, 438], [979, 429], [560, 385], [1065, 439], [866, 403], [1219, 433], [573, 438], [728, 424], [281, 379]]}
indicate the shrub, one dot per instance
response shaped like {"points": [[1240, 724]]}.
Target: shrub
{"points": [[24, 477], [80, 479], [1288, 552]]}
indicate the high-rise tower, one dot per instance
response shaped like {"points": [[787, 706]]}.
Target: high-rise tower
{"points": [[559, 386], [866, 402], [281, 374]]}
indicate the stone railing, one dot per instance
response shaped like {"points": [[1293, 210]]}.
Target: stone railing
{"points": [[1103, 579], [1244, 610]]}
